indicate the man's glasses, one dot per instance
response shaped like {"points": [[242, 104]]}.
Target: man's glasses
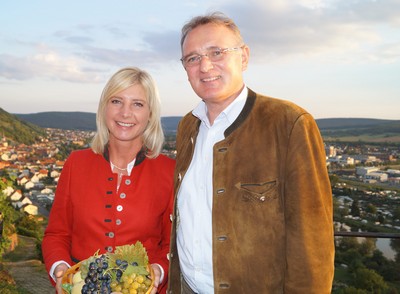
{"points": [[213, 54]]}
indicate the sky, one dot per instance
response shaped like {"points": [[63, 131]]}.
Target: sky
{"points": [[335, 58]]}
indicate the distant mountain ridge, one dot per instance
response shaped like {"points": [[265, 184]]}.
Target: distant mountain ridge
{"points": [[364, 129], [333, 123], [85, 121]]}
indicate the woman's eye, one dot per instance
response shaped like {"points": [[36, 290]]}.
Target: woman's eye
{"points": [[115, 101], [138, 104]]}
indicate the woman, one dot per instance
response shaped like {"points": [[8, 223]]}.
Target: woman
{"points": [[120, 190]]}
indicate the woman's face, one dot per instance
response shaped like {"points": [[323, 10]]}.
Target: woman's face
{"points": [[127, 114]]}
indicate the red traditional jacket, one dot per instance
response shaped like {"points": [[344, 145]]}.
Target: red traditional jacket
{"points": [[88, 213]]}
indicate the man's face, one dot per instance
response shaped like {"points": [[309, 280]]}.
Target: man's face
{"points": [[215, 81]]}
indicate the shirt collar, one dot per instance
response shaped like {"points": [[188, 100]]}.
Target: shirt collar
{"points": [[230, 113]]}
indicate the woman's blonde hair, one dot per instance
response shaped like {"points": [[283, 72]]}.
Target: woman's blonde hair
{"points": [[153, 136]]}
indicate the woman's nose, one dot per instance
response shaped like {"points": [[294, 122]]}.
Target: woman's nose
{"points": [[126, 110]]}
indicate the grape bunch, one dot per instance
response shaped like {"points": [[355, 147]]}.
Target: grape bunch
{"points": [[128, 282], [126, 270], [97, 280]]}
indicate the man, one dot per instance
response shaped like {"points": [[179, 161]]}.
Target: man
{"points": [[253, 207]]}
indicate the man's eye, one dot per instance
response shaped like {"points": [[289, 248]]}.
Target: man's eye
{"points": [[216, 52], [192, 59]]}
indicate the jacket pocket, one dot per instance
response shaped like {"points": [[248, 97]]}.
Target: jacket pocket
{"points": [[259, 192]]}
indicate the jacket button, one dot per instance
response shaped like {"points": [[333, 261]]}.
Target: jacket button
{"points": [[110, 235], [122, 195], [223, 149], [118, 222], [120, 208], [220, 191], [128, 182], [222, 238], [109, 248], [224, 285]]}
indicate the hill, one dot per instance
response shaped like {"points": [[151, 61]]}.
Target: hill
{"points": [[360, 129], [85, 121], [19, 130], [348, 123], [343, 129], [82, 121]]}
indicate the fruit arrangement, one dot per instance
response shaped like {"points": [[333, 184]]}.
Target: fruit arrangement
{"points": [[126, 270]]}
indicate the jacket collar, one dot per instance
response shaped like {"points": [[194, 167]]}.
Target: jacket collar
{"points": [[251, 98], [139, 157]]}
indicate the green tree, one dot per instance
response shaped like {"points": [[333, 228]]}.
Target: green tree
{"points": [[367, 247], [369, 280], [396, 213], [371, 208], [334, 179], [355, 208]]}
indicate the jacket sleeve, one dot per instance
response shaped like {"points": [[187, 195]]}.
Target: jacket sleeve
{"points": [[161, 257], [308, 212], [57, 237]]}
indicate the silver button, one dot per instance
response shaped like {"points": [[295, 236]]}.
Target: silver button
{"points": [[122, 195], [120, 208], [118, 222], [222, 238], [111, 235], [128, 182], [109, 249]]}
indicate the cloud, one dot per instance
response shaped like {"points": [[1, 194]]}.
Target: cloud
{"points": [[282, 30], [348, 31], [48, 65]]}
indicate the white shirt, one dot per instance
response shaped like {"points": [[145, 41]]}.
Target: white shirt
{"points": [[194, 200]]}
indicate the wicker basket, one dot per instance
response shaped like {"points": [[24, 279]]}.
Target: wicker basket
{"points": [[69, 273]]}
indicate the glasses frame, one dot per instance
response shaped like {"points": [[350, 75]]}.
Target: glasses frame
{"points": [[199, 57]]}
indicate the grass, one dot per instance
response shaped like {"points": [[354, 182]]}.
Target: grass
{"points": [[25, 250]]}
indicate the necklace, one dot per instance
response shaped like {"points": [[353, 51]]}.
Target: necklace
{"points": [[117, 166]]}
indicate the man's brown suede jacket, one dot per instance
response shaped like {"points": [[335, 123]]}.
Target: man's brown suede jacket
{"points": [[272, 216]]}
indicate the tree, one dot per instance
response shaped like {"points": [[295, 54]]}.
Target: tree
{"points": [[371, 208], [355, 209], [367, 247], [369, 280], [396, 213], [334, 179]]}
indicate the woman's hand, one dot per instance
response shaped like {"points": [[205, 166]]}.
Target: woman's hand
{"points": [[58, 273], [157, 275]]}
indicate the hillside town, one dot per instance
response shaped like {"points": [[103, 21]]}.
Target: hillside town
{"points": [[364, 178], [36, 168]]}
